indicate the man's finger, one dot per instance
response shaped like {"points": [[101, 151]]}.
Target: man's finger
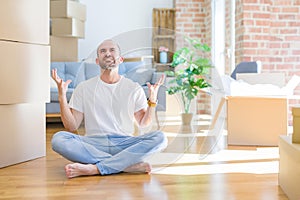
{"points": [[161, 80]]}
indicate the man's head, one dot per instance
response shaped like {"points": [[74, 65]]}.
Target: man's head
{"points": [[108, 55]]}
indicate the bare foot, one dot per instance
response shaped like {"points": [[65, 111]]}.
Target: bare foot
{"points": [[139, 167], [77, 169]]}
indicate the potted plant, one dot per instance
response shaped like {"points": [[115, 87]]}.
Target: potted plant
{"points": [[192, 75]]}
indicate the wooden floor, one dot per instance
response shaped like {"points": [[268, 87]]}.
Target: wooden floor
{"points": [[229, 173]]}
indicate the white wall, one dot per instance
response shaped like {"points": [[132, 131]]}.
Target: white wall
{"points": [[127, 21]]}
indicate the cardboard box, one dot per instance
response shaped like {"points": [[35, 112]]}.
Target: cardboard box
{"points": [[256, 120], [23, 133], [257, 108], [25, 21], [296, 125], [289, 167], [59, 46], [67, 27], [24, 73], [67, 9]]}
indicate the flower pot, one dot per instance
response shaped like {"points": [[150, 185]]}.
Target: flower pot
{"points": [[163, 57], [186, 118]]}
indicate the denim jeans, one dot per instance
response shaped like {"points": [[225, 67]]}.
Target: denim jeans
{"points": [[110, 153]]}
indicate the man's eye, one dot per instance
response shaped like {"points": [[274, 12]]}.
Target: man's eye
{"points": [[102, 51]]}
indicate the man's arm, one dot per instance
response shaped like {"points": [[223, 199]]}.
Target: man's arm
{"points": [[71, 118], [144, 116]]}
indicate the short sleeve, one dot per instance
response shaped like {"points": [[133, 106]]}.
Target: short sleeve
{"points": [[76, 101], [140, 99]]}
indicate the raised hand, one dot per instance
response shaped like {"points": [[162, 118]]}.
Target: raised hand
{"points": [[62, 85], [153, 89]]}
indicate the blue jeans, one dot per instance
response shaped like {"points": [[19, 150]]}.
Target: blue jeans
{"points": [[110, 153]]}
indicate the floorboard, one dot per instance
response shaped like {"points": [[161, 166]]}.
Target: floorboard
{"points": [[180, 172]]}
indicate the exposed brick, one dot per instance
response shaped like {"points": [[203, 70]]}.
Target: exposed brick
{"points": [[263, 51], [276, 59], [186, 15], [250, 8], [276, 38], [292, 59], [261, 15], [251, 1], [275, 45], [188, 25], [194, 10], [179, 20], [288, 31], [276, 9], [266, 2], [284, 66], [297, 2], [296, 52], [290, 9], [261, 37], [292, 38], [250, 51], [247, 22], [286, 17], [278, 23], [295, 24], [250, 44], [283, 52], [267, 67], [282, 2], [200, 16]]}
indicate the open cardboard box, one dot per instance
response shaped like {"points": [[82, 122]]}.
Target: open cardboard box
{"points": [[257, 119]]}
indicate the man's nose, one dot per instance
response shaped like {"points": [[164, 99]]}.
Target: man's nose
{"points": [[107, 54]]}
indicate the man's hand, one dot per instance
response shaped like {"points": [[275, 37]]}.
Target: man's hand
{"points": [[153, 89], [61, 85]]}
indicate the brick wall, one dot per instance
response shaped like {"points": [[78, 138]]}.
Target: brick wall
{"points": [[190, 18], [227, 34], [269, 30], [266, 30]]}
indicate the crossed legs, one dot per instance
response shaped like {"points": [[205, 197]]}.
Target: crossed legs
{"points": [[102, 155]]}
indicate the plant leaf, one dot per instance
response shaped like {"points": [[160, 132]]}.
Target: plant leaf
{"points": [[180, 56]]}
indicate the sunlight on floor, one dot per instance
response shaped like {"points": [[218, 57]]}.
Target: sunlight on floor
{"points": [[259, 161], [176, 120], [249, 167], [263, 160]]}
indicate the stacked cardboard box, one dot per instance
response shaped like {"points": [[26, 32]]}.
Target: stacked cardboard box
{"points": [[24, 72], [289, 163], [289, 167], [67, 26]]}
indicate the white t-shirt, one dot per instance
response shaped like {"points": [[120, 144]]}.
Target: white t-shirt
{"points": [[108, 108]]}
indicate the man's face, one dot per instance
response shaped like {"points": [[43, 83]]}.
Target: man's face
{"points": [[108, 55]]}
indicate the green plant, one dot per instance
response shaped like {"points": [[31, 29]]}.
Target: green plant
{"points": [[194, 71]]}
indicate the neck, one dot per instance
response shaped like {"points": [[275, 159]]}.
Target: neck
{"points": [[110, 76]]}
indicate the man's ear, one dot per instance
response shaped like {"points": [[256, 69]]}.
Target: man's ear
{"points": [[97, 61]]}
